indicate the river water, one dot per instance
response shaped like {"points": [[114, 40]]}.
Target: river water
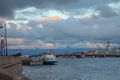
{"points": [[76, 69]]}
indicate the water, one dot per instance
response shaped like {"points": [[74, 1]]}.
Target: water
{"points": [[76, 69]]}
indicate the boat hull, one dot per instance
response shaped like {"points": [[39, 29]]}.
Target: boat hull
{"points": [[49, 62]]}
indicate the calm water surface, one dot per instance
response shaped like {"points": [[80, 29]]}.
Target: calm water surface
{"points": [[76, 69]]}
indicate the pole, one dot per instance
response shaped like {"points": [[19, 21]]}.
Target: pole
{"points": [[117, 51], [6, 50]]}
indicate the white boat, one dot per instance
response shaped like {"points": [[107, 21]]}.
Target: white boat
{"points": [[48, 58]]}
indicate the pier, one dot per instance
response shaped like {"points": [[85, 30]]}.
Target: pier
{"points": [[11, 68]]}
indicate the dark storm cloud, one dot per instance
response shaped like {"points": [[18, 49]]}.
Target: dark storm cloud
{"points": [[64, 33], [14, 32], [7, 7], [106, 11], [72, 30], [32, 23]]}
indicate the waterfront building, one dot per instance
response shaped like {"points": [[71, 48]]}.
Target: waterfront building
{"points": [[110, 50], [109, 46], [107, 50]]}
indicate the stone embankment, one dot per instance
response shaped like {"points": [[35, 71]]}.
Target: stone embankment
{"points": [[11, 68]]}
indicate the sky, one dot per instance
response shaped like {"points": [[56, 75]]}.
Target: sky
{"points": [[51, 24]]}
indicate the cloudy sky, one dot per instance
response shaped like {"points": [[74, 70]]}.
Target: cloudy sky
{"points": [[50, 24]]}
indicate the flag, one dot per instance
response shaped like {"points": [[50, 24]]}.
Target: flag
{"points": [[2, 42], [1, 26]]}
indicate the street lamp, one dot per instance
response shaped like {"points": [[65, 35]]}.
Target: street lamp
{"points": [[5, 38]]}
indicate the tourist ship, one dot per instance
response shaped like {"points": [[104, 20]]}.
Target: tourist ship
{"points": [[48, 58], [39, 59]]}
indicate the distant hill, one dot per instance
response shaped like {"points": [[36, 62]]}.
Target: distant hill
{"points": [[56, 51]]}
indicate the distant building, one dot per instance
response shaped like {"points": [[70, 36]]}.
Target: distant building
{"points": [[110, 50], [93, 52], [107, 50], [108, 47]]}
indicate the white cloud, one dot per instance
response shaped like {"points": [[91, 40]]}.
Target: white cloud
{"points": [[95, 45], [15, 41], [32, 13], [115, 6], [40, 26], [87, 13], [20, 43]]}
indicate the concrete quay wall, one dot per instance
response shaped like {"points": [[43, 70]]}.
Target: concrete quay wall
{"points": [[11, 68]]}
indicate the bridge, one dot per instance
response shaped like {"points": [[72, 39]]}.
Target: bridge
{"points": [[84, 55]]}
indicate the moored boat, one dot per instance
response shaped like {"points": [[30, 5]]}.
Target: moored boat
{"points": [[48, 58], [39, 59]]}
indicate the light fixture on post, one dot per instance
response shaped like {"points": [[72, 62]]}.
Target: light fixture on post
{"points": [[4, 40]]}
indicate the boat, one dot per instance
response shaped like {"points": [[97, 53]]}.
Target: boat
{"points": [[48, 58], [39, 59]]}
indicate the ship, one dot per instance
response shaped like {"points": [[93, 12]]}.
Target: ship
{"points": [[48, 58], [40, 59]]}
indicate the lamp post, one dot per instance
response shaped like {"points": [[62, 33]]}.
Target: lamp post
{"points": [[5, 38]]}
